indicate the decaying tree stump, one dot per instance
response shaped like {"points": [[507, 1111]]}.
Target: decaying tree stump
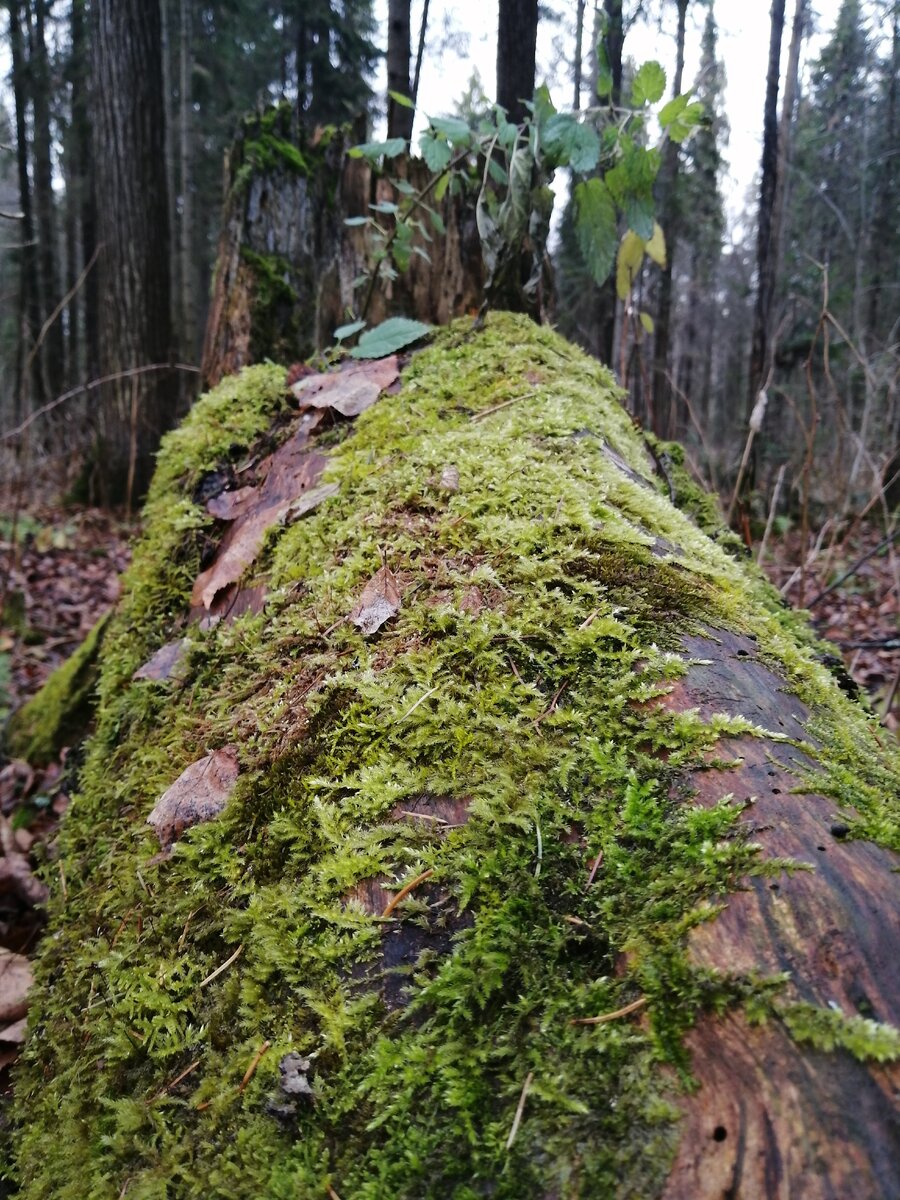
{"points": [[510, 837], [287, 262]]}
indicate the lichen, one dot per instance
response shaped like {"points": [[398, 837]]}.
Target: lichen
{"points": [[538, 624]]}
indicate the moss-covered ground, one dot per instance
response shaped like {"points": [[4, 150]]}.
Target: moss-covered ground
{"points": [[542, 605]]}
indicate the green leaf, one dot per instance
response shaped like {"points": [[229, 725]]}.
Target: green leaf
{"points": [[385, 206], [345, 331], [435, 151], [628, 263], [440, 188], [356, 220], [685, 123], [453, 128], [595, 226], [656, 247], [404, 187], [639, 211], [647, 322], [669, 112], [403, 101], [571, 144], [604, 73], [390, 335], [374, 150], [543, 108], [649, 84], [437, 221]]}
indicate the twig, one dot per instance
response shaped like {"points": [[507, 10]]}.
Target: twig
{"points": [[420, 700], [520, 1109], [332, 1194], [167, 1087], [59, 308], [540, 851], [225, 965], [553, 703], [852, 570], [889, 700], [589, 620], [506, 403], [84, 388], [594, 869], [773, 507], [611, 1016], [406, 812], [248, 1074], [404, 892]]}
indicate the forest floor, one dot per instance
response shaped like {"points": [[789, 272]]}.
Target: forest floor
{"points": [[59, 573]]}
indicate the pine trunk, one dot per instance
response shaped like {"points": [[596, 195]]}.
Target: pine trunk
{"points": [[399, 51]]}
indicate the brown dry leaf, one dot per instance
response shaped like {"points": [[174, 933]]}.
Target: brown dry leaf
{"points": [[15, 980], [167, 663], [450, 479], [15, 1034], [289, 487], [351, 390], [199, 793], [379, 602], [228, 506]]}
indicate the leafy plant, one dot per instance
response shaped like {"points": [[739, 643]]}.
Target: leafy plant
{"points": [[505, 171]]}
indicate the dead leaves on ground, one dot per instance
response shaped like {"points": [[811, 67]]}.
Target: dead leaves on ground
{"points": [[351, 390], [199, 794]]}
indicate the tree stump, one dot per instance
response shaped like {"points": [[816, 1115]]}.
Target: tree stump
{"points": [[514, 839]]}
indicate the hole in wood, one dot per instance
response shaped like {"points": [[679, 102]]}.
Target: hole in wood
{"points": [[720, 1133]]}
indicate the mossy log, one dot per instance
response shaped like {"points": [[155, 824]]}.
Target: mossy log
{"points": [[287, 262], [575, 878]]}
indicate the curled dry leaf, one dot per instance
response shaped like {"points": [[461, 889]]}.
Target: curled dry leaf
{"points": [[199, 793], [167, 663], [15, 980], [379, 602], [351, 390], [289, 488]]}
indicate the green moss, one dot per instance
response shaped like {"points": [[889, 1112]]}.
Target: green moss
{"points": [[61, 712], [276, 317], [538, 620], [828, 1029]]}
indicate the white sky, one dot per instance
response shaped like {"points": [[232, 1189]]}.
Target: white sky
{"points": [[743, 48]]}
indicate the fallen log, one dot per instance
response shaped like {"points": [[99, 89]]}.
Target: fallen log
{"points": [[509, 836]]}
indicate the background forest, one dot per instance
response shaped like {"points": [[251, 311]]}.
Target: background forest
{"points": [[767, 343]]}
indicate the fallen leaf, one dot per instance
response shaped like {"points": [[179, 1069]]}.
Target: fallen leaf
{"points": [[289, 486], [167, 663], [199, 793], [351, 390], [379, 602], [450, 479], [228, 506], [15, 980], [15, 1034]]}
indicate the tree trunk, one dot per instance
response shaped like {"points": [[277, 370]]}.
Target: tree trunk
{"points": [[52, 355], [663, 398], [186, 240], [516, 48], [765, 262], [518, 843], [286, 262], [28, 382], [399, 51], [134, 230], [605, 312]]}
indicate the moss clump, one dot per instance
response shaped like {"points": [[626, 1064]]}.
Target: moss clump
{"points": [[538, 621], [61, 712], [828, 1029]]}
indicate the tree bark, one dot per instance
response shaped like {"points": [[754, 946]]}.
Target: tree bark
{"points": [[663, 398], [134, 228], [605, 312], [399, 51], [516, 49], [185, 179], [286, 262]]}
